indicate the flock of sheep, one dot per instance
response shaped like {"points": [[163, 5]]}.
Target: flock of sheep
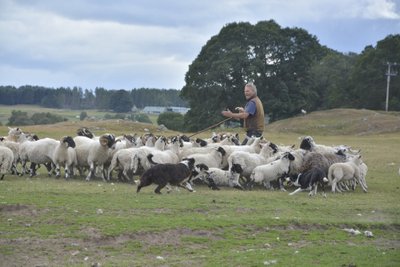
{"points": [[223, 161]]}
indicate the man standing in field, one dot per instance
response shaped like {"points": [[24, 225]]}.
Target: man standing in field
{"points": [[252, 113]]}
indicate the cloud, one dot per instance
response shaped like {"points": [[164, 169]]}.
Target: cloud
{"points": [[141, 43]]}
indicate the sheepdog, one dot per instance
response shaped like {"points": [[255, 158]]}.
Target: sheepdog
{"points": [[164, 174], [309, 180]]}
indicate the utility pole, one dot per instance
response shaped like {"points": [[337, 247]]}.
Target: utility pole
{"points": [[388, 74]]}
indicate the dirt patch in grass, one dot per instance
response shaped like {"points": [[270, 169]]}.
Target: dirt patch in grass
{"points": [[18, 210], [92, 248]]}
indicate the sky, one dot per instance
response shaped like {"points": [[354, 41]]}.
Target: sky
{"points": [[127, 44]]}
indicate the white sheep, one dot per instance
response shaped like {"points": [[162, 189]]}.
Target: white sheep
{"points": [[309, 144], [343, 171], [129, 160], [277, 169], [14, 146], [248, 161], [212, 159], [169, 155], [217, 177], [6, 160], [39, 152], [95, 153], [65, 156]]}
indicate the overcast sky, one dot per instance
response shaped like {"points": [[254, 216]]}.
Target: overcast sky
{"points": [[123, 44]]}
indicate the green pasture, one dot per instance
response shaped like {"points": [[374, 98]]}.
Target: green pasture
{"points": [[46, 221]]}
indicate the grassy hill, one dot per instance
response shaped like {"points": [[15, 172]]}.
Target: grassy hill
{"points": [[340, 122], [322, 123]]}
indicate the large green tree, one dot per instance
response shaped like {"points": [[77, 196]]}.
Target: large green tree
{"points": [[277, 60], [369, 80]]}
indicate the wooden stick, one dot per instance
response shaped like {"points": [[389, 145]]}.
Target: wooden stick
{"points": [[208, 128]]}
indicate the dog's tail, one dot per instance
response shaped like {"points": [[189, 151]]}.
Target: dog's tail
{"points": [[150, 158]]}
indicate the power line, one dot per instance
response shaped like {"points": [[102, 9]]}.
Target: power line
{"points": [[388, 74]]}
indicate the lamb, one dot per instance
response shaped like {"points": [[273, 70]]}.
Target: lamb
{"points": [[216, 176], [95, 153], [212, 159], [272, 171], [6, 161], [65, 155], [346, 171]]}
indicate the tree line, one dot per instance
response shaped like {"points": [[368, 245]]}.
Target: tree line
{"points": [[76, 98]]}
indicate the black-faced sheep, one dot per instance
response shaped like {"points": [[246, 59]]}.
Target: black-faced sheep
{"points": [[65, 156]]}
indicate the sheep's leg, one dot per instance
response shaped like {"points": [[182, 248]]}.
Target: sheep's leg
{"points": [[281, 187], [92, 171], [67, 171], [267, 185], [103, 173], [49, 168], [32, 169], [211, 183], [58, 172]]}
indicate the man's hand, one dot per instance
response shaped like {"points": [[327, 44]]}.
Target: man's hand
{"points": [[240, 109]]}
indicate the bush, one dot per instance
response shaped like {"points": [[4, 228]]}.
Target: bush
{"points": [[21, 118], [83, 115], [46, 118], [171, 120], [140, 118], [117, 116]]}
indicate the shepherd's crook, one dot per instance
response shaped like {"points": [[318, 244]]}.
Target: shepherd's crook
{"points": [[212, 126]]}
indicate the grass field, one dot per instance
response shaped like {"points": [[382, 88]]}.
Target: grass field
{"points": [[52, 222]]}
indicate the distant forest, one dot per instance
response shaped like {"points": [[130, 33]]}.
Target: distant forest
{"points": [[100, 98]]}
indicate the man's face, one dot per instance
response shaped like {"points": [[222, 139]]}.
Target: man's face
{"points": [[248, 92]]}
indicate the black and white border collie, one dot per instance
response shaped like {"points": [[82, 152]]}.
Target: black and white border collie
{"points": [[309, 181], [164, 174]]}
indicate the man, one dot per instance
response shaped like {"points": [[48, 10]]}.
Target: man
{"points": [[252, 114]]}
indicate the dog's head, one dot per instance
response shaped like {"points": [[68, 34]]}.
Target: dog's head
{"points": [[189, 162], [200, 168]]}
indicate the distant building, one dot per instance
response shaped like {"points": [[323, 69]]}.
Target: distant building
{"points": [[159, 109]]}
